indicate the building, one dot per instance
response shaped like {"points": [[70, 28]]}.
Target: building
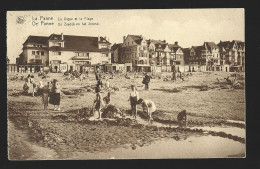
{"points": [[232, 55], [193, 59], [61, 53], [159, 55], [177, 57], [35, 55], [203, 58], [116, 51], [135, 51], [211, 56]]}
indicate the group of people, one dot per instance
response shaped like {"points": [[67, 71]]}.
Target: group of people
{"points": [[50, 92], [147, 105]]}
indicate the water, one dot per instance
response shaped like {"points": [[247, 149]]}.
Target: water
{"points": [[192, 147]]}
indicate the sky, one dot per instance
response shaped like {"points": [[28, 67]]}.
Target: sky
{"points": [[189, 27]]}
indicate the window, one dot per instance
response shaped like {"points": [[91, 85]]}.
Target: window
{"points": [[57, 53], [87, 54], [33, 52], [38, 52], [42, 53]]}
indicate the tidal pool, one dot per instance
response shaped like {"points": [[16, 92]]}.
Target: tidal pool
{"points": [[190, 147]]}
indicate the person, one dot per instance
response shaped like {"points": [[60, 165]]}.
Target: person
{"points": [[45, 96], [182, 118], [55, 95], [174, 75], [26, 87], [107, 99], [33, 86], [97, 75], [134, 97], [40, 88], [107, 84], [98, 101], [148, 106], [87, 73], [146, 81]]}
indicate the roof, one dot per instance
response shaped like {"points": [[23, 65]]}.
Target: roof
{"points": [[174, 47], [211, 45], [158, 41], [186, 52], [228, 44], [37, 39], [197, 48], [138, 39], [116, 46], [71, 42]]}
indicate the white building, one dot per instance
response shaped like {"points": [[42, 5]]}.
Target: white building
{"points": [[64, 52]]}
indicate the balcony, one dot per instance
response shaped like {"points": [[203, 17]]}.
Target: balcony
{"points": [[81, 58]]}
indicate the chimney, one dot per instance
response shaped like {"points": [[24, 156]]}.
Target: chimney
{"points": [[105, 38], [98, 38], [176, 43], [123, 38], [62, 38]]}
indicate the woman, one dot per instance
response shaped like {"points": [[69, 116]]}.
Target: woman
{"points": [[98, 101], [148, 106], [134, 96], [55, 95]]}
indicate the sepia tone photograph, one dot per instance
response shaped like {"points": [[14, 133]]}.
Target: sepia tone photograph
{"points": [[126, 84]]}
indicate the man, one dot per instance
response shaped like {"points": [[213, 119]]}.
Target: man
{"points": [[146, 81]]}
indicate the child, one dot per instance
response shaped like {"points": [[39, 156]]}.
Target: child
{"points": [[134, 96], [45, 96], [55, 95], [98, 101], [149, 106], [107, 99]]}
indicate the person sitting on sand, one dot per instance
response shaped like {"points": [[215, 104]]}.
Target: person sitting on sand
{"points": [[134, 97], [148, 106]]}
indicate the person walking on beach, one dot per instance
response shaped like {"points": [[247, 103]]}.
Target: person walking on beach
{"points": [[134, 97], [148, 106], [55, 95], [146, 81]]}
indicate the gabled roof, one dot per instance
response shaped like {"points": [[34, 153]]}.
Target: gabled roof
{"points": [[241, 44], [37, 40], [138, 39], [197, 48], [174, 47], [224, 44], [211, 45], [116, 46], [157, 42]]}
